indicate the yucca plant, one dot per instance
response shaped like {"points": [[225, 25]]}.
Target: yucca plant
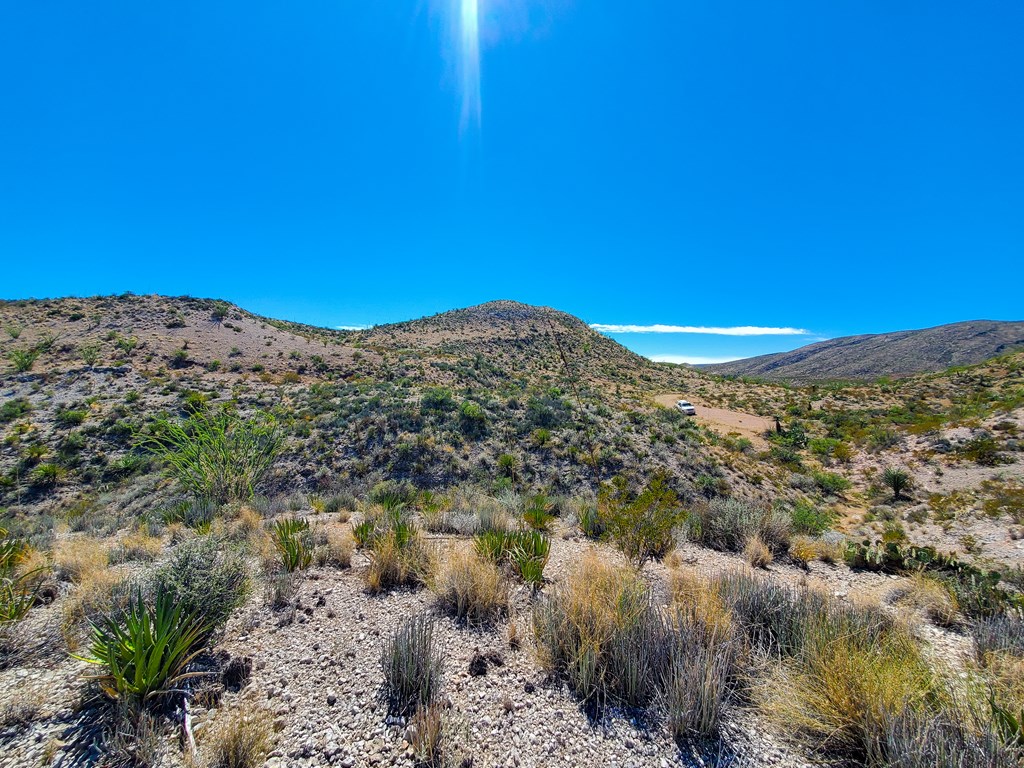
{"points": [[147, 652], [897, 479], [291, 537]]}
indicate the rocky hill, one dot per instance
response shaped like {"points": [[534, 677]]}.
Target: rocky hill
{"points": [[872, 356]]}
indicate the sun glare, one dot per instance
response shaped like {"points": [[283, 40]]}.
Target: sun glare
{"points": [[469, 21]]}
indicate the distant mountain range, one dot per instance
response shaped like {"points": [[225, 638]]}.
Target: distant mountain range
{"points": [[871, 356]]}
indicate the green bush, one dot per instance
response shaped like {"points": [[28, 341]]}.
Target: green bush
{"points": [[811, 520], [203, 581], [831, 483], [642, 525]]}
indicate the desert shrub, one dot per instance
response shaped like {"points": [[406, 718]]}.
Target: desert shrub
{"points": [[437, 399], [204, 581], [219, 456], [831, 483], [14, 408], [898, 480], [340, 504], [147, 651], [472, 419], [294, 543], [412, 663], [727, 524], [470, 588], [809, 519], [983, 450], [642, 525], [241, 738]]}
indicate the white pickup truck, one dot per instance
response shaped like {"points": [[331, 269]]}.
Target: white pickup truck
{"points": [[686, 407]]}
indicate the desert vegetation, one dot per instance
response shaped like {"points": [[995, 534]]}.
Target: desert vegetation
{"points": [[446, 541]]}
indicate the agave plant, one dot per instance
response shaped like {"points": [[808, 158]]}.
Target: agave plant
{"points": [[147, 652]]}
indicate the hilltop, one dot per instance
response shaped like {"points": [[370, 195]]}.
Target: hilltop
{"points": [[872, 356]]}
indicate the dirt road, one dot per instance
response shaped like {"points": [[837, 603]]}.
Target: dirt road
{"points": [[722, 420]]}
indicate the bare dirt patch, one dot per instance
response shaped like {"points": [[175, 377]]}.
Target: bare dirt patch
{"points": [[723, 420]]}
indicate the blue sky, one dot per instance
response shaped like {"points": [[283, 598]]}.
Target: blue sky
{"points": [[834, 168]]}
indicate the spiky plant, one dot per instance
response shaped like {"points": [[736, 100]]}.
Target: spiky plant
{"points": [[897, 479], [146, 652]]}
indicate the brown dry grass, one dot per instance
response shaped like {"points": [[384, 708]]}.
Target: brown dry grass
{"points": [[470, 587]]}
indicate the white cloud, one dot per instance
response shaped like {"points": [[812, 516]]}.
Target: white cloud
{"points": [[352, 327], [736, 330], [690, 359]]}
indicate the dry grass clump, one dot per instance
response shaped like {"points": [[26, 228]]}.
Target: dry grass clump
{"points": [[595, 631], [930, 596], [427, 736], [247, 524], [601, 633], [77, 559], [757, 553], [334, 547], [840, 691], [137, 546], [803, 549], [21, 708], [240, 739], [99, 593], [398, 553], [470, 587]]}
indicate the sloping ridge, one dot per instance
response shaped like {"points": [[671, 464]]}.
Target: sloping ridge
{"points": [[869, 356]]}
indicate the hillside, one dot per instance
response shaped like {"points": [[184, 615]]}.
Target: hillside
{"points": [[873, 356], [404, 540]]}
